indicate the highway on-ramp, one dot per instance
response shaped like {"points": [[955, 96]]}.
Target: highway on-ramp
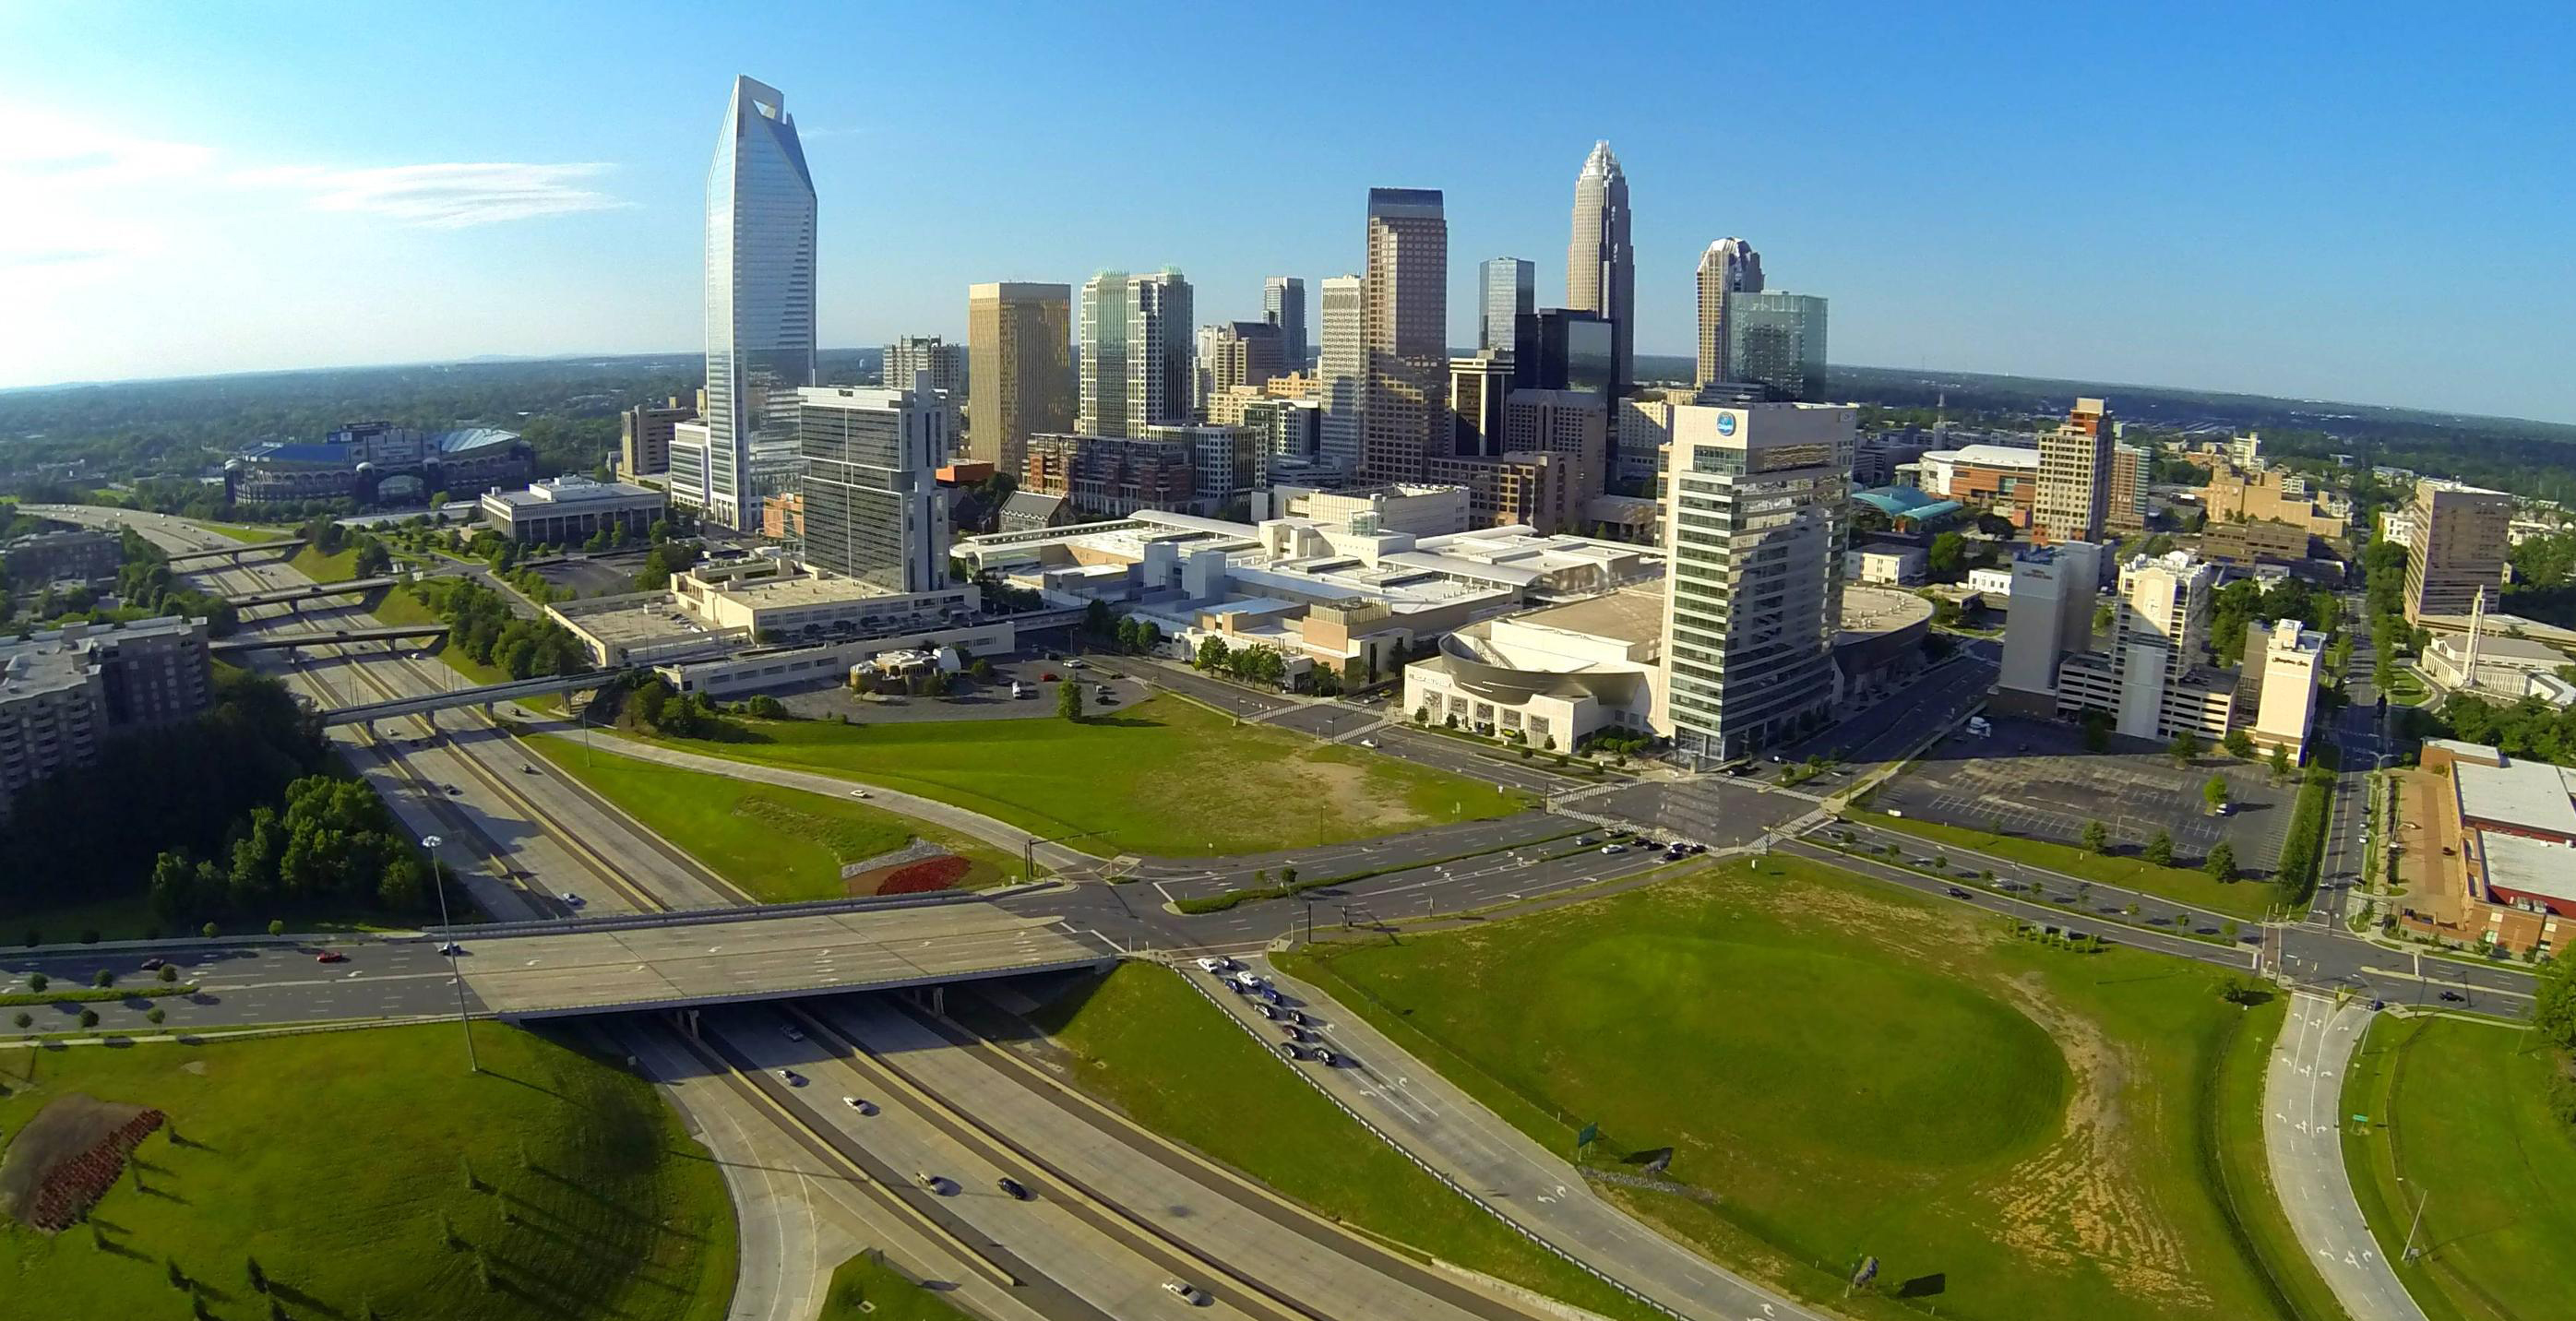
{"points": [[2303, 1139]]}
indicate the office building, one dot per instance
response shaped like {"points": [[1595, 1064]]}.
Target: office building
{"points": [[1755, 536], [1730, 267], [2053, 590], [571, 509], [1508, 290], [1019, 377], [1572, 423], [1777, 340], [1291, 429], [644, 436], [1283, 305], [1600, 266], [70, 555], [1419, 511], [1536, 490], [2074, 492], [1640, 426], [2126, 509], [2458, 541], [1227, 464], [760, 304], [1404, 326], [2283, 660], [914, 356], [1342, 367], [2151, 683], [1136, 353], [64, 691], [1232, 354], [2252, 543], [1559, 348], [2241, 492], [873, 510], [1478, 387], [1111, 476]]}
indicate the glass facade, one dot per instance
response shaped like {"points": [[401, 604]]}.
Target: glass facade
{"points": [[1779, 341], [872, 506], [1557, 349], [760, 303], [1510, 292]]}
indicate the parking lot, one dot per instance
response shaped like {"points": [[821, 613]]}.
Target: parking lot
{"points": [[2035, 779], [831, 700]]}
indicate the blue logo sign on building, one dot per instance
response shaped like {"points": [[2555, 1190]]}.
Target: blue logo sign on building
{"points": [[1726, 424]]}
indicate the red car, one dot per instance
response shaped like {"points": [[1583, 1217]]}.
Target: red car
{"points": [[330, 956]]}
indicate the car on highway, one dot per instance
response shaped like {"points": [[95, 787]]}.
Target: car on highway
{"points": [[330, 956], [860, 1104], [1614, 848], [1956, 893], [789, 1077], [1267, 1011], [1586, 841], [451, 948], [929, 1181], [1298, 1017], [1014, 1189], [791, 1033], [1324, 1055], [1292, 1032], [1187, 1293], [526, 769], [153, 964], [1368, 743], [1291, 1050], [2454, 996], [1212, 965], [570, 898], [453, 791], [858, 793]]}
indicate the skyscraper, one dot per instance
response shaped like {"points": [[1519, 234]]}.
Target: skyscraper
{"points": [[1343, 367], [873, 509], [1754, 589], [2458, 541], [1136, 353], [1729, 267], [760, 302], [2074, 493], [1778, 340], [1283, 304], [1404, 311], [1509, 289], [1019, 342], [1100, 400], [1600, 267], [914, 354], [1234, 353]]}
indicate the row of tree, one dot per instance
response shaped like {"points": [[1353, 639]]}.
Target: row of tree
{"points": [[1250, 663], [480, 623], [333, 846]]}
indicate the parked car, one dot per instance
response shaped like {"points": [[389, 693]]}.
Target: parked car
{"points": [[788, 1076], [859, 1104], [1211, 965]]}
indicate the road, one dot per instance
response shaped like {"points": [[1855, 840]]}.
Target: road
{"points": [[2303, 1139]]}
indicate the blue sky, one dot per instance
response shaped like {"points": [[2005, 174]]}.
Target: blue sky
{"points": [[2357, 203]]}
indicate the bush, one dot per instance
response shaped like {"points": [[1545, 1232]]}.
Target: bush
{"points": [[103, 980], [37, 981], [156, 1013], [169, 972], [89, 1018], [23, 1019]]}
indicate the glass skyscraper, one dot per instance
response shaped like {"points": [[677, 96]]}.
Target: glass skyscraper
{"points": [[760, 303], [1509, 291], [1779, 341]]}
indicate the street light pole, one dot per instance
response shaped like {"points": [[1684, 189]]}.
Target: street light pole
{"points": [[2420, 1199], [438, 879]]}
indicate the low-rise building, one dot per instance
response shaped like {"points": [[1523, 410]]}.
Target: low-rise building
{"points": [[2489, 663], [2499, 850], [1537, 490], [1554, 676], [1991, 582], [1417, 508], [73, 555], [2003, 479], [716, 608], [2252, 541], [569, 510], [644, 437], [64, 691], [1896, 564], [379, 463]]}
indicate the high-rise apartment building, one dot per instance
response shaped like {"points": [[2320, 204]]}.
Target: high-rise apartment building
{"points": [[2458, 538], [1507, 291], [2127, 507], [1136, 353], [1754, 539], [760, 304], [2074, 476], [914, 355], [1729, 267], [1404, 309], [1283, 304], [1019, 340], [644, 436], [1236, 353], [2053, 594], [64, 691], [1777, 340], [1100, 400], [1343, 367], [1600, 266], [873, 509]]}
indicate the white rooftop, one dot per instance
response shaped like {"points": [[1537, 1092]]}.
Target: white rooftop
{"points": [[2532, 866], [2532, 795], [1990, 456]]}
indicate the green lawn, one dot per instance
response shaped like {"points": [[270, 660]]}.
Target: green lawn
{"points": [[331, 1159], [863, 1286], [1841, 1069], [781, 845], [2180, 884], [1158, 1051], [1164, 777], [2456, 1110], [244, 531], [321, 568], [403, 605], [2406, 687]]}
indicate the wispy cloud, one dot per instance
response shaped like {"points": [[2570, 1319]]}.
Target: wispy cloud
{"points": [[443, 196]]}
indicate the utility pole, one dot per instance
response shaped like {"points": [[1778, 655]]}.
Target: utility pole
{"points": [[2420, 1199], [438, 879]]}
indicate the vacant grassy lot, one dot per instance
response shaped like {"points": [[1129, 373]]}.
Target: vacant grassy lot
{"points": [[333, 1160], [863, 1286], [243, 531], [1164, 777], [321, 568], [2456, 1110], [1842, 1069], [1154, 1048], [2180, 884], [781, 845]]}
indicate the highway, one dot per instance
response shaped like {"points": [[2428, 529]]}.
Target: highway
{"points": [[2303, 1140]]}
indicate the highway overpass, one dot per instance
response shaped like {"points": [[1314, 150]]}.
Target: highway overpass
{"points": [[283, 545], [484, 696], [313, 591], [277, 641], [731, 956]]}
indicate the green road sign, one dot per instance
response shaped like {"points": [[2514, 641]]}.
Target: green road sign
{"points": [[1591, 1133], [2361, 1119]]}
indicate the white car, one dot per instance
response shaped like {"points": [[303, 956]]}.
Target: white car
{"points": [[858, 793], [1614, 848], [1211, 965], [1186, 1293], [1368, 743], [856, 1104]]}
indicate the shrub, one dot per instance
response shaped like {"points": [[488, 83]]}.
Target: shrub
{"points": [[104, 979], [37, 981], [90, 937], [23, 1019], [156, 1013], [926, 876], [89, 1018], [277, 926], [169, 972]]}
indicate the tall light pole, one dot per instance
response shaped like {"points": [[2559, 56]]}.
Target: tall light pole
{"points": [[447, 944]]}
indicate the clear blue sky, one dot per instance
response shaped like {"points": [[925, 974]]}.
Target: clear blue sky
{"points": [[2357, 203]]}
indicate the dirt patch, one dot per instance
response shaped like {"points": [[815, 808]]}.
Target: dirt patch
{"points": [[67, 1157], [920, 876], [2072, 1203]]}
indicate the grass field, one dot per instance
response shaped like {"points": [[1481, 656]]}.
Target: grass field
{"points": [[2181, 884], [2456, 1114], [1843, 1069], [332, 1158], [243, 531], [1163, 777], [1149, 1045], [403, 605], [781, 845], [321, 568], [865, 1287], [2406, 687]]}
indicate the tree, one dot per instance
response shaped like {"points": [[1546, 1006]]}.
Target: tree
{"points": [[2239, 744], [2280, 763], [2553, 1003], [1097, 619], [2097, 731], [1947, 557], [1068, 700], [2097, 837], [89, 1018], [2213, 791], [36, 982], [2221, 862], [2159, 850], [23, 1019], [1212, 653], [2185, 746]]}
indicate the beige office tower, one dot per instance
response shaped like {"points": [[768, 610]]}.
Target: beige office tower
{"points": [[2163, 628], [1729, 267], [1342, 367], [2053, 592], [2456, 547], [1601, 264], [2074, 476], [1019, 375], [1404, 328]]}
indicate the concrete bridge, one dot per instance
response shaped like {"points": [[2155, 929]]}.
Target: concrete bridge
{"points": [[729, 956], [483, 696], [278, 641], [281, 546], [311, 591]]}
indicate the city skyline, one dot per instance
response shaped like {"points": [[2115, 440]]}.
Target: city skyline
{"points": [[504, 231]]}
